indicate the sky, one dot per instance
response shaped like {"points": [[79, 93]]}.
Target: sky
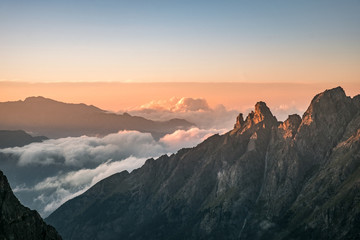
{"points": [[180, 41], [282, 98]]}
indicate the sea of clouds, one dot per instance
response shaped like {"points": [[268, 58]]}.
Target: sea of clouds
{"points": [[47, 174]]}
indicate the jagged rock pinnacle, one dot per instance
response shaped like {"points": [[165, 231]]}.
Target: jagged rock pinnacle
{"points": [[239, 121], [291, 125], [261, 114]]}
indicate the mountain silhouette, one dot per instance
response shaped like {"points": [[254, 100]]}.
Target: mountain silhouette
{"points": [[55, 119], [17, 138], [19, 222], [265, 179]]}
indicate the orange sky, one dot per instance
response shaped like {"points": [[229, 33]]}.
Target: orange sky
{"points": [[111, 54], [177, 41], [122, 96]]}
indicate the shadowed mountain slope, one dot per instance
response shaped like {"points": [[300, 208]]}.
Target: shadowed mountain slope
{"points": [[56, 119], [297, 179], [17, 138], [19, 222]]}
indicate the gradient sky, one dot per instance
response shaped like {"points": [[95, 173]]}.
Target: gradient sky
{"points": [[294, 97], [191, 41]]}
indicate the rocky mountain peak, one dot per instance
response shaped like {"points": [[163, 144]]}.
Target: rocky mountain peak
{"points": [[261, 114], [319, 107], [325, 120]]}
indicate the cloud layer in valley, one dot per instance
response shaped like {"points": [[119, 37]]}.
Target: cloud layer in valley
{"points": [[88, 151], [45, 175]]}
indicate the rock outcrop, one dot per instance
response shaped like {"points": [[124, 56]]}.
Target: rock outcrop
{"points": [[19, 222], [298, 179]]}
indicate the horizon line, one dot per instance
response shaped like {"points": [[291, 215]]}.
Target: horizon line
{"points": [[179, 82]]}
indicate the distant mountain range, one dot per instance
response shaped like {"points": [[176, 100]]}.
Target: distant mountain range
{"points": [[17, 138], [55, 119], [297, 179], [19, 222]]}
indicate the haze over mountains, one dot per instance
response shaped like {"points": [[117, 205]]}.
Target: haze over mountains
{"points": [[53, 119], [297, 179]]}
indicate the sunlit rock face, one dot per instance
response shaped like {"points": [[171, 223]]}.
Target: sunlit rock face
{"points": [[262, 115], [297, 179], [290, 126], [19, 222]]}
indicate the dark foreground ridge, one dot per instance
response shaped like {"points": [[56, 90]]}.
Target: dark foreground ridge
{"points": [[18, 222], [297, 179]]}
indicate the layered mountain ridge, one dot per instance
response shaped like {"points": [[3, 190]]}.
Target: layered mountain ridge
{"points": [[297, 179], [19, 222], [57, 119], [17, 138]]}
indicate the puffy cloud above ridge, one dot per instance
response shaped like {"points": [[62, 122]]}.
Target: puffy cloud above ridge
{"points": [[188, 138], [175, 104], [195, 110]]}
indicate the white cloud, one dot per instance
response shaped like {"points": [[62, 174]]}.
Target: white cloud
{"points": [[47, 174], [177, 105], [87, 151], [283, 111], [196, 111], [59, 189], [188, 138]]}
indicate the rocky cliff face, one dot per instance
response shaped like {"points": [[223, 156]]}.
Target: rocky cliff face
{"points": [[297, 179], [19, 222]]}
